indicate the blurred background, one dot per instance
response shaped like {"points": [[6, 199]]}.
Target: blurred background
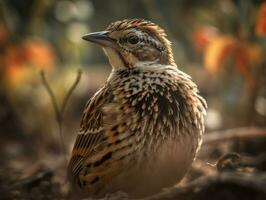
{"points": [[221, 44]]}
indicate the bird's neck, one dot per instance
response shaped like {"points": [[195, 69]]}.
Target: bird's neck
{"points": [[147, 69], [115, 59], [119, 61], [152, 66]]}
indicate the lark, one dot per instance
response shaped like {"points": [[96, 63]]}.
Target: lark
{"points": [[141, 131]]}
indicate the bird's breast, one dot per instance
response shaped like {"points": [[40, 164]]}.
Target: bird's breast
{"points": [[165, 131], [160, 169], [156, 101]]}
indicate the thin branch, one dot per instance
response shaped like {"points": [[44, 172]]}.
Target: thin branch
{"points": [[52, 97], [233, 161], [236, 133], [70, 91], [60, 112], [201, 187]]}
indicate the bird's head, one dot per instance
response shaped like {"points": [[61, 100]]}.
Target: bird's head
{"points": [[132, 42]]}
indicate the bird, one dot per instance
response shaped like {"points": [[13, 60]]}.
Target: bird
{"points": [[141, 131]]}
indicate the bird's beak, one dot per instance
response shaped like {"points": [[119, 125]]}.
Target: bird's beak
{"points": [[100, 38]]}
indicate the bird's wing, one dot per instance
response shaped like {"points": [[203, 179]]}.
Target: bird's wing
{"points": [[91, 130]]}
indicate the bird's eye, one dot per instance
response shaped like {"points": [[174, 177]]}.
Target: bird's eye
{"points": [[133, 39]]}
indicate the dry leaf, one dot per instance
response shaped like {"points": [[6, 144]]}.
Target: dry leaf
{"points": [[20, 60], [261, 21], [217, 52], [203, 35]]}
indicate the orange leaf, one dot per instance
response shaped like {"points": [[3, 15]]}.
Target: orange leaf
{"points": [[255, 54], [203, 35], [38, 53], [247, 55], [217, 51], [261, 21], [241, 59], [21, 60]]}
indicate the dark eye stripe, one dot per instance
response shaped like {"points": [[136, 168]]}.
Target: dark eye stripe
{"points": [[154, 43], [146, 40]]}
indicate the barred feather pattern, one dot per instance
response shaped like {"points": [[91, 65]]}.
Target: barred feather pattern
{"points": [[125, 123]]}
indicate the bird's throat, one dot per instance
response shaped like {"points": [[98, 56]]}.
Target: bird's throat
{"points": [[115, 58]]}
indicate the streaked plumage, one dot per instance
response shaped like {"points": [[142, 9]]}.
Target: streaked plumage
{"points": [[141, 131]]}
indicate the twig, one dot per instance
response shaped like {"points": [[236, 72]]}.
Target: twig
{"points": [[59, 113], [70, 91], [236, 133], [201, 187], [233, 161], [51, 95]]}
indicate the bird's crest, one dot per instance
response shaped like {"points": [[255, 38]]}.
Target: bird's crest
{"points": [[142, 24], [146, 26]]}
